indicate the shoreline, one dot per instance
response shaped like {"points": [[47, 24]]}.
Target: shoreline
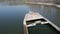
{"points": [[51, 4]]}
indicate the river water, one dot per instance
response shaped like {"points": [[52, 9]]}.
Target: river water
{"points": [[11, 17]]}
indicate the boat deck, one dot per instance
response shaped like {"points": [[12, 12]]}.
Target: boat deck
{"points": [[42, 29]]}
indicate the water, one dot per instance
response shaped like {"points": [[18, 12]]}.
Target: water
{"points": [[50, 12], [11, 19], [42, 29]]}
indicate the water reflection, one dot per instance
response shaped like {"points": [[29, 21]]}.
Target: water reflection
{"points": [[50, 12], [58, 17], [11, 19], [10, 3], [11, 15]]}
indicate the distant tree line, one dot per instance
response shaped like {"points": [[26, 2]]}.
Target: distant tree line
{"points": [[47, 1]]}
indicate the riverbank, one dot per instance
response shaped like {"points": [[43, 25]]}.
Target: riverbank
{"points": [[51, 4]]}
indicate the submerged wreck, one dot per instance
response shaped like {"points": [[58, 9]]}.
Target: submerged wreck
{"points": [[34, 23]]}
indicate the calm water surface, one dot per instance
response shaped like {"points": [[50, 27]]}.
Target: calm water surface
{"points": [[11, 17]]}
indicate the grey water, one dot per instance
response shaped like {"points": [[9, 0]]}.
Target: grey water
{"points": [[11, 17]]}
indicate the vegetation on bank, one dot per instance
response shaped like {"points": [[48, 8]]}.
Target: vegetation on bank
{"points": [[44, 1]]}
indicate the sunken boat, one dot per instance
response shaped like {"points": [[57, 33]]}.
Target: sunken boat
{"points": [[34, 23]]}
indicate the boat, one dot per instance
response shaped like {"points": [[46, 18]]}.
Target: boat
{"points": [[35, 23]]}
